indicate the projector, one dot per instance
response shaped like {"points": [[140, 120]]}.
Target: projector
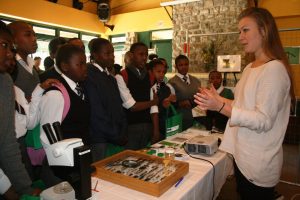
{"points": [[207, 145]]}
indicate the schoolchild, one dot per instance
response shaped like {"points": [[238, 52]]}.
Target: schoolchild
{"points": [[163, 92], [108, 119], [185, 86], [27, 113], [215, 119], [77, 42], [26, 77], [71, 61], [14, 180], [27, 119], [25, 41], [134, 86], [53, 71]]}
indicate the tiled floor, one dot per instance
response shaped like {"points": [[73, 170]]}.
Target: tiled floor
{"points": [[290, 174]]}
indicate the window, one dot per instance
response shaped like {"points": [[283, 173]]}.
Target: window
{"points": [[162, 35], [67, 34], [44, 31], [42, 51]]}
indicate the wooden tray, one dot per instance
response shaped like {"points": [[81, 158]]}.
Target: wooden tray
{"points": [[155, 189]]}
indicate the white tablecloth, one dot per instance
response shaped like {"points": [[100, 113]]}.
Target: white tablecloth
{"points": [[197, 184]]}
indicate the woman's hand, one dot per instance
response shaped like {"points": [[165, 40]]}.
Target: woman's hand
{"points": [[172, 98], [208, 99]]}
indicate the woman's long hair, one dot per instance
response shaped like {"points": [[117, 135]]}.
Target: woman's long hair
{"points": [[272, 45]]}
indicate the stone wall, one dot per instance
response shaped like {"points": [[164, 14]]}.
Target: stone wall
{"points": [[207, 17]]}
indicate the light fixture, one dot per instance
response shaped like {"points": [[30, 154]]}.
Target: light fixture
{"points": [[111, 27], [175, 2]]}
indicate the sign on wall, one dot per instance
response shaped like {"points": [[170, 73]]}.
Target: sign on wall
{"points": [[229, 63]]}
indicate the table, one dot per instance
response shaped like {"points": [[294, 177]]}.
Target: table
{"points": [[197, 184]]}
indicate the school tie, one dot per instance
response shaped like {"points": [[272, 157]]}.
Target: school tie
{"points": [[79, 90], [157, 87], [185, 78]]}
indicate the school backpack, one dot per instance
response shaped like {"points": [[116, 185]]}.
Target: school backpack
{"points": [[124, 74]]}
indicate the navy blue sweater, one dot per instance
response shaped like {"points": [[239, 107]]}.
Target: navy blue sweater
{"points": [[108, 120]]}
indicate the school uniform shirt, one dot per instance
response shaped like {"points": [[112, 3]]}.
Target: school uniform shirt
{"points": [[154, 109], [259, 118], [27, 114], [4, 182], [52, 104], [128, 100]]}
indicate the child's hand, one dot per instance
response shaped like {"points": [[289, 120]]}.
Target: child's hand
{"points": [[36, 192], [166, 103], [48, 83], [172, 98], [185, 104]]}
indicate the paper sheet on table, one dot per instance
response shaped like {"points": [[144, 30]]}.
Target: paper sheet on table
{"points": [[197, 112]]}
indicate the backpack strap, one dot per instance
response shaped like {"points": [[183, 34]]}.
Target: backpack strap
{"points": [[66, 97], [124, 75]]}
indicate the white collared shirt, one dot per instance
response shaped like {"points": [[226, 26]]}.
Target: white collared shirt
{"points": [[71, 83], [220, 89], [51, 107], [127, 99], [101, 68], [181, 77], [30, 61], [4, 182], [31, 117], [57, 69], [154, 109]]}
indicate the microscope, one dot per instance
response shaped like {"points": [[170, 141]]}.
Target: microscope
{"points": [[72, 160]]}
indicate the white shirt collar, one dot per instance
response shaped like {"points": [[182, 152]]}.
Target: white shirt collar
{"points": [[30, 61], [100, 68], [181, 77], [220, 89], [57, 69], [70, 82]]}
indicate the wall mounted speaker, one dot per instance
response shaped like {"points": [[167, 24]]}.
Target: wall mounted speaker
{"points": [[103, 12]]}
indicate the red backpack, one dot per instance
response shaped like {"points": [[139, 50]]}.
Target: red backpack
{"points": [[124, 74]]}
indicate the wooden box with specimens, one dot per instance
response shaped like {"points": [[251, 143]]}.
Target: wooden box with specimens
{"points": [[145, 173]]}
